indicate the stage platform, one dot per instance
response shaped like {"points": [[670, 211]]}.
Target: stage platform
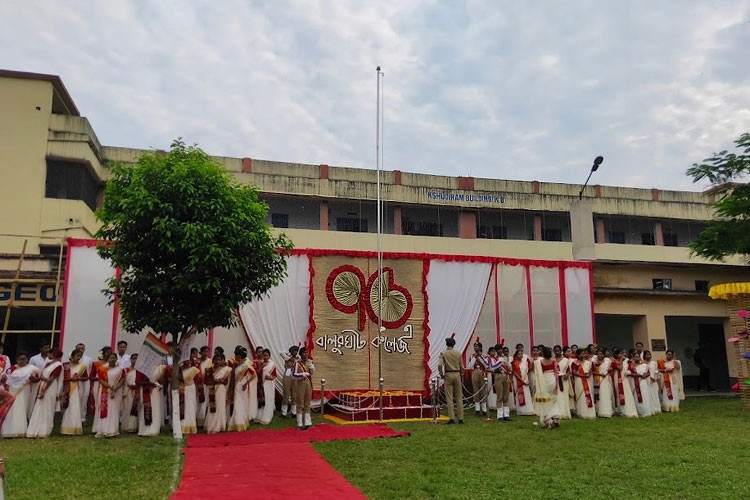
{"points": [[356, 407]]}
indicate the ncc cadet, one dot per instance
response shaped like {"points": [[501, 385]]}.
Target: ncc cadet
{"points": [[451, 370]]}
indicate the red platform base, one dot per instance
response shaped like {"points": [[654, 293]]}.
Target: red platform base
{"points": [[351, 407]]}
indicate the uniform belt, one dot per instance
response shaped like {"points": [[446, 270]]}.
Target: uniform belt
{"points": [[452, 371], [478, 368]]}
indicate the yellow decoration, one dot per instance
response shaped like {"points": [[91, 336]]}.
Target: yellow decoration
{"points": [[727, 290]]}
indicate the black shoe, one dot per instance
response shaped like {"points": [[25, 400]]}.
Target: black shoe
{"points": [[460, 421], [451, 422], [506, 419], [485, 414], [305, 427], [477, 413]]}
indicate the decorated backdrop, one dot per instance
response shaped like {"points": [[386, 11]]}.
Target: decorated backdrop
{"points": [[330, 302]]}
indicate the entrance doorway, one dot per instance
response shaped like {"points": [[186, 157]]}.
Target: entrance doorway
{"points": [[685, 334]]}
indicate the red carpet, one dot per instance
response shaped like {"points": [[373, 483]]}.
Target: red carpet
{"points": [[262, 471], [269, 464], [321, 432]]}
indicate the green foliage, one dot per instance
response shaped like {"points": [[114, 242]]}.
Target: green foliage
{"points": [[729, 232], [192, 243]]}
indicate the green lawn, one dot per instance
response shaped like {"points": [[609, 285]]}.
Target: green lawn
{"points": [[702, 452]]}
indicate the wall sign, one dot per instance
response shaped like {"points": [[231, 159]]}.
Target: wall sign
{"points": [[30, 295], [468, 197], [658, 344]]}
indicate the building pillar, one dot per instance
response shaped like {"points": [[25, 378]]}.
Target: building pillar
{"points": [[538, 228], [467, 225], [324, 216], [397, 220], [650, 327], [658, 235], [601, 234]]}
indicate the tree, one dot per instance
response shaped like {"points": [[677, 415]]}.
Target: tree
{"points": [[191, 242], [728, 233]]}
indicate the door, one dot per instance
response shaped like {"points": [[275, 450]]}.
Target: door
{"points": [[711, 337]]}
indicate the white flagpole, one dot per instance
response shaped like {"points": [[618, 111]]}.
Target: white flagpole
{"points": [[378, 163]]}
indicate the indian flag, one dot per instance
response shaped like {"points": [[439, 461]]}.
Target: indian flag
{"points": [[152, 353]]}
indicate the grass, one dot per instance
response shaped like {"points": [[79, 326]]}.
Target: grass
{"points": [[701, 452]]}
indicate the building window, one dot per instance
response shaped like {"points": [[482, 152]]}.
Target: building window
{"points": [[68, 180], [662, 283], [670, 240], [351, 224], [420, 228], [492, 232], [701, 286], [616, 237], [280, 220], [648, 239], [552, 234]]}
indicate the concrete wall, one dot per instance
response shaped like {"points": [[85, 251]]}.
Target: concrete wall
{"points": [[23, 143]]}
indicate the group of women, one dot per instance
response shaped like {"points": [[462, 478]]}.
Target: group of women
{"points": [[556, 383], [214, 393]]}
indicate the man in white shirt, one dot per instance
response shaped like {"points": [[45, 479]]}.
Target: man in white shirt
{"points": [[40, 360], [123, 358]]}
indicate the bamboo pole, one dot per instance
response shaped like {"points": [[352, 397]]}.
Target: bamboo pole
{"points": [[57, 293]]}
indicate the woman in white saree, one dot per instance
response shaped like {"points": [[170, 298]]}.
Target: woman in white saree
{"points": [[563, 382], [70, 402], [520, 384], [641, 386], [583, 387], [19, 379], [43, 414], [621, 385], [151, 411], [671, 392], [188, 398], [545, 398], [654, 382], [268, 375], [131, 398], [604, 406], [217, 379], [110, 399], [244, 375]]}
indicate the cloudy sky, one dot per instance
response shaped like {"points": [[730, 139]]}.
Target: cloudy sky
{"points": [[517, 90]]}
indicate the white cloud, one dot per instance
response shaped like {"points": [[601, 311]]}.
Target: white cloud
{"points": [[518, 90]]}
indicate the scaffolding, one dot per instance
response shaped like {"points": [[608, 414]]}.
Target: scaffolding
{"points": [[17, 280]]}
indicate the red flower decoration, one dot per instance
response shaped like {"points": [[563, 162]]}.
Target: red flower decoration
{"points": [[344, 289], [397, 303]]}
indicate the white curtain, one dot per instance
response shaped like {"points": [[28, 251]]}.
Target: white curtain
{"points": [[578, 301], [282, 318], [514, 305], [455, 292], [545, 300], [88, 318]]}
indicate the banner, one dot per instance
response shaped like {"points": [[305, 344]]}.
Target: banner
{"points": [[348, 293]]}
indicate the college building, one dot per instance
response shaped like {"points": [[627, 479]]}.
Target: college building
{"points": [[646, 285]]}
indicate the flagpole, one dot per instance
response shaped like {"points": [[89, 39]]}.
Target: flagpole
{"points": [[378, 163]]}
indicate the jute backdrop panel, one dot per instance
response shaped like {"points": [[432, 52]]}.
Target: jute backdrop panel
{"points": [[345, 356]]}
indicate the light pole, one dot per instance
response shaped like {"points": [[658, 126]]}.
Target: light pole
{"points": [[597, 161]]}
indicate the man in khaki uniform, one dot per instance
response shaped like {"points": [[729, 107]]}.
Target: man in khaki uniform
{"points": [[479, 364], [501, 371], [451, 369]]}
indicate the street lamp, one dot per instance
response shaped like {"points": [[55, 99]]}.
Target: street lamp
{"points": [[597, 161]]}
